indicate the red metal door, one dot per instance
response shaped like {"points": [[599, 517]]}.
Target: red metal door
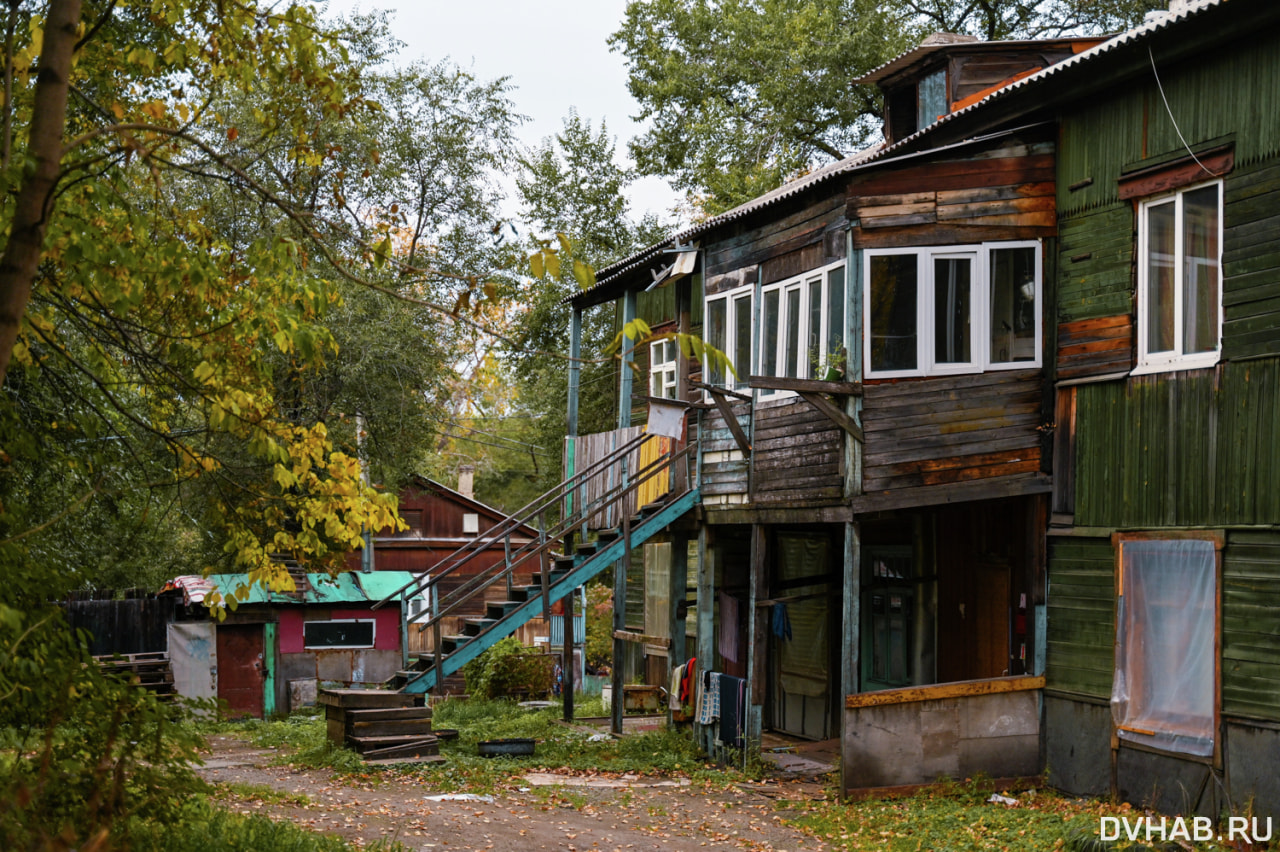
{"points": [[241, 669]]}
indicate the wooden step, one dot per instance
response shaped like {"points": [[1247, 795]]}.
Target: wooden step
{"points": [[389, 714], [587, 549], [476, 626], [497, 610], [388, 728], [563, 563], [360, 699], [416, 748], [378, 746]]}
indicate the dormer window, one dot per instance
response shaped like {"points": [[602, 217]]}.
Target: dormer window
{"points": [[931, 98]]}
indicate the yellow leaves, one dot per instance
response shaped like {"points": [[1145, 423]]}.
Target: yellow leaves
{"points": [[117, 110], [155, 110]]}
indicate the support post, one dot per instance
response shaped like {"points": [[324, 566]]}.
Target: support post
{"points": [[620, 569], [568, 685], [756, 645], [850, 627], [575, 383], [628, 358], [706, 622], [679, 580]]}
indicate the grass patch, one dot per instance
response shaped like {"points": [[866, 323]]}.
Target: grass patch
{"points": [[209, 828], [260, 793], [560, 748], [958, 818]]}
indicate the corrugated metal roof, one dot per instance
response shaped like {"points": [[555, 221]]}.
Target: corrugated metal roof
{"points": [[347, 587], [861, 159], [1158, 22]]}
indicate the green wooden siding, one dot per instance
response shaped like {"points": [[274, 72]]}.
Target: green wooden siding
{"points": [[1251, 625], [1251, 261], [1227, 93], [1096, 283], [1197, 448], [1081, 627], [1081, 616]]}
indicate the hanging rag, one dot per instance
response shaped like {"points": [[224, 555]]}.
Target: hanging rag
{"points": [[730, 690], [709, 700], [686, 682], [729, 627], [781, 621]]}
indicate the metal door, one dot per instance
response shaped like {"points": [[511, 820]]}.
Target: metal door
{"points": [[241, 669]]}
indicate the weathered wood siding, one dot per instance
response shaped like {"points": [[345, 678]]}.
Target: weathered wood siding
{"points": [[1251, 262], [1251, 625], [1191, 448], [798, 454], [725, 469], [951, 429], [592, 448], [813, 226], [1004, 191], [1081, 616]]}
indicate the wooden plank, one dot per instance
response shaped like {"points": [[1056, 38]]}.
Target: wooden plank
{"points": [[810, 385], [1013, 486], [978, 211], [938, 692], [995, 193], [797, 495], [735, 428], [641, 638], [844, 421]]}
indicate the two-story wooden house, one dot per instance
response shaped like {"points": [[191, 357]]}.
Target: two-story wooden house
{"points": [[873, 471], [1062, 261]]}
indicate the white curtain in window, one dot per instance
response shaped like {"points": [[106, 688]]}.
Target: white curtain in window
{"points": [[1163, 693]]}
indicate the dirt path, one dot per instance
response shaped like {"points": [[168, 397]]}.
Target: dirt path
{"points": [[579, 815]]}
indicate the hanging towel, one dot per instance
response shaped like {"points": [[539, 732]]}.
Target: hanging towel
{"points": [[731, 692], [729, 628], [686, 682], [709, 701], [781, 621]]}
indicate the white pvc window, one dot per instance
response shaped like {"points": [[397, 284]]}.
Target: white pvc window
{"points": [[662, 369], [1180, 279], [952, 309], [802, 325], [727, 323], [1165, 687]]}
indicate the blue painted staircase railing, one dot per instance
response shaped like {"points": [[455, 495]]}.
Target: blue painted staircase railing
{"points": [[556, 576]]}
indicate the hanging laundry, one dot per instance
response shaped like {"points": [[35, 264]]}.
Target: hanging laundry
{"points": [[781, 621], [731, 691], [709, 700]]}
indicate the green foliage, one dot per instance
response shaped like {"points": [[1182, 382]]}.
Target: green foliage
{"points": [[743, 95], [599, 646], [508, 668], [82, 755], [200, 826]]}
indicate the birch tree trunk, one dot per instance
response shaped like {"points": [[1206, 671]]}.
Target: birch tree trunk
{"points": [[22, 253]]}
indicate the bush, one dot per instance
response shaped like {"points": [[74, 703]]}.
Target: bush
{"points": [[509, 668], [81, 753]]}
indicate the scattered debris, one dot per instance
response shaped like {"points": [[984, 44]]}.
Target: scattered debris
{"points": [[997, 799], [549, 779], [460, 797]]}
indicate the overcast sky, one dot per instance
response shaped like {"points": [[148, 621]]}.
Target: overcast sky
{"points": [[554, 52]]}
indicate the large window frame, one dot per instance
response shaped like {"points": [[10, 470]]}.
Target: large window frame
{"points": [[793, 307], [312, 645], [1167, 684], [1176, 357], [728, 319], [966, 356]]}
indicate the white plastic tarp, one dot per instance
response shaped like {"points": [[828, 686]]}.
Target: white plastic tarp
{"points": [[1163, 693], [193, 655]]}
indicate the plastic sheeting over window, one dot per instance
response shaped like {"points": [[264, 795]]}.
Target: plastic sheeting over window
{"points": [[1164, 691]]}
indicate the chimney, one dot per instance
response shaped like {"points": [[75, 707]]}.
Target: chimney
{"points": [[467, 481]]}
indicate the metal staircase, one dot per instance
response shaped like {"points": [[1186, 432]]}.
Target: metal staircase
{"points": [[611, 486]]}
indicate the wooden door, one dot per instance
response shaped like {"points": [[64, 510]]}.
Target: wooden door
{"points": [[241, 669]]}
